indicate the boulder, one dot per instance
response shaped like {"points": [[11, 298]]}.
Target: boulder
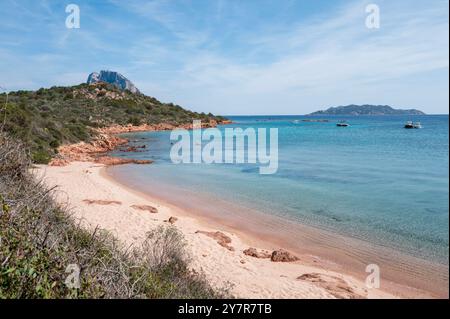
{"points": [[148, 208], [283, 256], [101, 202], [222, 239], [253, 252], [172, 220], [335, 286], [109, 160]]}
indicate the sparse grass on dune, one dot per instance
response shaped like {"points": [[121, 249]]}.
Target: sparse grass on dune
{"points": [[39, 239]]}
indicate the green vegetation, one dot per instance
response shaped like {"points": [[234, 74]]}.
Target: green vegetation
{"points": [[39, 240], [47, 118]]}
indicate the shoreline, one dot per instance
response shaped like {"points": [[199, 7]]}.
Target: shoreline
{"points": [[401, 274], [80, 184], [96, 200]]}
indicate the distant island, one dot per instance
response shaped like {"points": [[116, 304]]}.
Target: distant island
{"points": [[366, 109]]}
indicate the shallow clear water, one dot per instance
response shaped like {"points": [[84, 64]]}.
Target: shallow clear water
{"points": [[373, 180]]}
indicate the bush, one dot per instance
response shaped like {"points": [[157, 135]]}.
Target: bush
{"points": [[134, 120], [41, 157]]}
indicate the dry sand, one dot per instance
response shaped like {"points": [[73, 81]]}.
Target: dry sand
{"points": [[96, 200]]}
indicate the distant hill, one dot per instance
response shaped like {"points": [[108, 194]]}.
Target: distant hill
{"points": [[47, 118], [114, 78], [367, 110]]}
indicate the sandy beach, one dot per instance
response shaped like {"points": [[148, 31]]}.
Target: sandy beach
{"points": [[97, 201]]}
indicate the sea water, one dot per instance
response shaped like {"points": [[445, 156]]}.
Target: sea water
{"points": [[374, 180]]}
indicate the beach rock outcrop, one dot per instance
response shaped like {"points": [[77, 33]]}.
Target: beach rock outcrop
{"points": [[172, 220], [133, 149], [106, 141], [87, 151], [148, 208], [118, 129], [111, 161], [335, 286], [253, 252], [222, 239], [93, 152], [101, 202], [283, 256]]}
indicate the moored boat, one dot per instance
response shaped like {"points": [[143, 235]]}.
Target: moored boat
{"points": [[342, 124], [410, 125]]}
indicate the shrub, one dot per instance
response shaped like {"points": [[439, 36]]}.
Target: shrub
{"points": [[41, 157], [134, 120]]}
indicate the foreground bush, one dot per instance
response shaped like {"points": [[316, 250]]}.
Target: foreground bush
{"points": [[39, 241]]}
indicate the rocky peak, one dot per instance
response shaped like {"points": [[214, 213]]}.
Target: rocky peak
{"points": [[114, 78]]}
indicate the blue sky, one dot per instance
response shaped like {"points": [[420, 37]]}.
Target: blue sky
{"points": [[237, 57]]}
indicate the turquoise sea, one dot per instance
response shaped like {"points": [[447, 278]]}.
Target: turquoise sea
{"points": [[374, 180]]}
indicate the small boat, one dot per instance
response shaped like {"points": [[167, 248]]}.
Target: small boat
{"points": [[318, 120], [342, 124], [410, 125]]}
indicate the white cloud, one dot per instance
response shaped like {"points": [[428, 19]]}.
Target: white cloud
{"points": [[317, 58], [214, 62]]}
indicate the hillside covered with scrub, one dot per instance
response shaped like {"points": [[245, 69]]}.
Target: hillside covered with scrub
{"points": [[47, 118]]}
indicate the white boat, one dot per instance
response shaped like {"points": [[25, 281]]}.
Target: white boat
{"points": [[411, 124], [342, 124]]}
